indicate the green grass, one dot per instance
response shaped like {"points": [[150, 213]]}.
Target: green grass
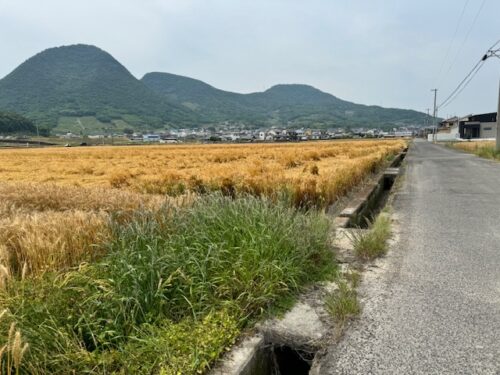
{"points": [[372, 243], [88, 125], [174, 291], [488, 152], [343, 303]]}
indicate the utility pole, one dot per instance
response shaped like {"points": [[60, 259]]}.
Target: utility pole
{"points": [[434, 114], [426, 125], [488, 54], [38, 134], [498, 118]]}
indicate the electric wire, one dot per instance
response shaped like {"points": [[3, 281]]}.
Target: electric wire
{"points": [[472, 72], [452, 98], [466, 37], [452, 41], [468, 78]]}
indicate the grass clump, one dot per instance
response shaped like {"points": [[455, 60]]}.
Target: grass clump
{"points": [[372, 243], [483, 149], [174, 289], [488, 152], [342, 304]]}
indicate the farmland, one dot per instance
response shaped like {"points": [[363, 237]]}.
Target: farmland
{"points": [[154, 259], [316, 173]]}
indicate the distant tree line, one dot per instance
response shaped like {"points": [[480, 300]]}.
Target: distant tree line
{"points": [[13, 123]]}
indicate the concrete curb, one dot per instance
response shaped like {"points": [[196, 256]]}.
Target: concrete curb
{"points": [[366, 199]]}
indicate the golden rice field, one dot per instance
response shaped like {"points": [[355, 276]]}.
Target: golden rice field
{"points": [[55, 202], [69, 216], [314, 172]]}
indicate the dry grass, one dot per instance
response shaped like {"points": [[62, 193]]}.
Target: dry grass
{"points": [[47, 241], [317, 172], [46, 227], [55, 203], [29, 197], [483, 149], [473, 146]]}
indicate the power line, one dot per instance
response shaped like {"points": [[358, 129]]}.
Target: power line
{"points": [[468, 78], [466, 36], [463, 87], [452, 41], [471, 73]]}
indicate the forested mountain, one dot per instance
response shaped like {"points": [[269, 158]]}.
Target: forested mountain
{"points": [[299, 105], [82, 80], [63, 84]]}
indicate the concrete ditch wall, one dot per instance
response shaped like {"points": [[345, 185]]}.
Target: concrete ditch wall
{"points": [[304, 328]]}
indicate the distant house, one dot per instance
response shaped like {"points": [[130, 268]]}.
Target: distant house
{"points": [[151, 138], [246, 138], [446, 125], [168, 138], [315, 135], [478, 126], [135, 137]]}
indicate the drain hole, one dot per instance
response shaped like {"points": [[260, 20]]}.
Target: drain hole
{"points": [[288, 361]]}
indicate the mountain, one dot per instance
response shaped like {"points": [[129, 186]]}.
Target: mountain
{"points": [[294, 104], [83, 80], [83, 88], [212, 103]]}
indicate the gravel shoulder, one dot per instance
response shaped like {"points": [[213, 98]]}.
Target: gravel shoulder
{"points": [[432, 305]]}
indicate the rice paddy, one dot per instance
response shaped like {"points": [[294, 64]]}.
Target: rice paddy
{"points": [[110, 255], [316, 173]]}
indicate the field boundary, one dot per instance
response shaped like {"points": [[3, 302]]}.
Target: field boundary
{"points": [[306, 327], [367, 200]]}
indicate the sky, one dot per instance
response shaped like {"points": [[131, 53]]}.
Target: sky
{"points": [[379, 52]]}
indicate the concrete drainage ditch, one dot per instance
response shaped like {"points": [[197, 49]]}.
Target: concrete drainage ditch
{"points": [[369, 201], [288, 346], [283, 346]]}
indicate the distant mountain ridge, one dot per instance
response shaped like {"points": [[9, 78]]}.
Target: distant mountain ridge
{"points": [[82, 80], [295, 104]]}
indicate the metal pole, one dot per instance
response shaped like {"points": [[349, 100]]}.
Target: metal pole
{"points": [[498, 118], [427, 122], [38, 133], [434, 113]]}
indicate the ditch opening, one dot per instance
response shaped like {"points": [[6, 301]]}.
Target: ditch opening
{"points": [[373, 205], [290, 361], [378, 198]]}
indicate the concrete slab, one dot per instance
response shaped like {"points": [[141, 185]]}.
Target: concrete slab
{"points": [[301, 326], [389, 172], [243, 359]]}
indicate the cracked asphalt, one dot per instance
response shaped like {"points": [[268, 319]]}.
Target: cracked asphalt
{"points": [[432, 305]]}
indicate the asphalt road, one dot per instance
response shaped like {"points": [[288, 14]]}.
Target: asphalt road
{"points": [[432, 306]]}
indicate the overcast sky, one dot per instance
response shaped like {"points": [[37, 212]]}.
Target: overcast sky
{"points": [[383, 52]]}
